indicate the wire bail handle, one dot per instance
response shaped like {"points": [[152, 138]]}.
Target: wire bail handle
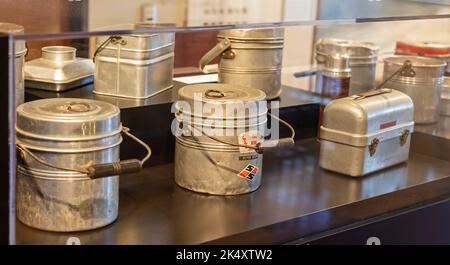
{"points": [[116, 40], [406, 70], [95, 171]]}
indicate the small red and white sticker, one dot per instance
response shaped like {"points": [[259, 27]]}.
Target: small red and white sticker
{"points": [[388, 125], [251, 138], [249, 172]]}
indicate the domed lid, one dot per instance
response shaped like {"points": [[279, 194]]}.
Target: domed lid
{"points": [[221, 93], [14, 29], [228, 96], [67, 118]]}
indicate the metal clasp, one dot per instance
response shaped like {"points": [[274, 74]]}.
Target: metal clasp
{"points": [[404, 137], [118, 40], [373, 146]]}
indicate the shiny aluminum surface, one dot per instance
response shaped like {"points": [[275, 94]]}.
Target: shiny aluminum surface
{"points": [[136, 66], [352, 125], [205, 165], [69, 133], [424, 88], [362, 59], [19, 59], [254, 59], [58, 70]]}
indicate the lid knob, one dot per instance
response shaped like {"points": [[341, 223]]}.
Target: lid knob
{"points": [[78, 107], [212, 93]]}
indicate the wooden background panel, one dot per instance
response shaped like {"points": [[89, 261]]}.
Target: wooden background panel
{"points": [[37, 16], [52, 16], [191, 46]]}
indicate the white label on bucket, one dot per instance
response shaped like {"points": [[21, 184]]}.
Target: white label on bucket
{"points": [[251, 138]]}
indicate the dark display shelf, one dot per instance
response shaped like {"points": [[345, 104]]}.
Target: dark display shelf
{"points": [[297, 200]]}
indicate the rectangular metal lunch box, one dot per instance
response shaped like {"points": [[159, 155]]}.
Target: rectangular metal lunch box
{"points": [[366, 132], [135, 66]]}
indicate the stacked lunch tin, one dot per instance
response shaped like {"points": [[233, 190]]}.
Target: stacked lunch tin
{"points": [[57, 140], [19, 59], [362, 60], [250, 58], [219, 125], [136, 66]]}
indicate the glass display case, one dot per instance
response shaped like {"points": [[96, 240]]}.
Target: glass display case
{"points": [[140, 45]]}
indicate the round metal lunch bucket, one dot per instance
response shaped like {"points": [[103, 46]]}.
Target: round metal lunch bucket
{"points": [[211, 155], [435, 50], [424, 87], [250, 58], [362, 60], [66, 133], [20, 51]]}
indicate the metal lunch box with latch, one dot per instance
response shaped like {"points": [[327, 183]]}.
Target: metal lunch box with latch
{"points": [[362, 60], [136, 66], [58, 70], [434, 50], [424, 85], [20, 51], [211, 154], [67, 171], [367, 132], [250, 58]]}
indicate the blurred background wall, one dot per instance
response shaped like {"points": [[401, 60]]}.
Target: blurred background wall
{"points": [[78, 15]]}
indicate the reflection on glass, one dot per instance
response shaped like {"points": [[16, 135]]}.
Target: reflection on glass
{"points": [[89, 15]]}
